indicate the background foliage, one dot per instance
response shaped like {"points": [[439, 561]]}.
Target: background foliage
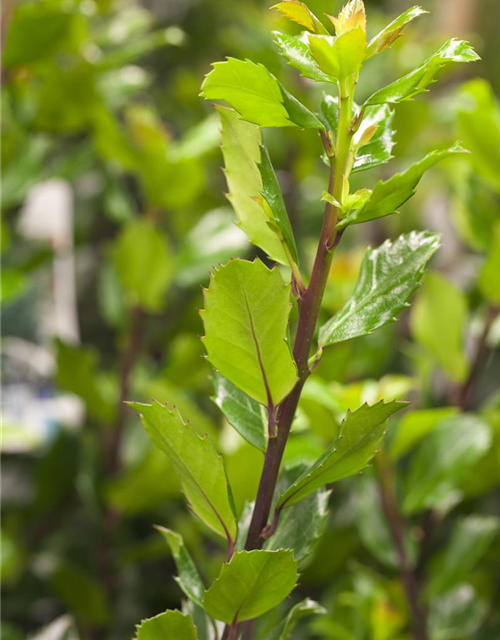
{"points": [[113, 215]]}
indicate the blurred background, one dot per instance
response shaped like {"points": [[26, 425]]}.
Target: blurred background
{"points": [[113, 213]]}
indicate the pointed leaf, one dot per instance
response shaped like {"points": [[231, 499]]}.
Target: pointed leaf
{"points": [[360, 434], [189, 579], [296, 51], [301, 14], [420, 78], [391, 33], [390, 194], [199, 466], [379, 149], [252, 583], [340, 56], [246, 316], [170, 625], [351, 16], [256, 95], [305, 608], [272, 193], [241, 150], [438, 320], [388, 277], [443, 459], [245, 414]]}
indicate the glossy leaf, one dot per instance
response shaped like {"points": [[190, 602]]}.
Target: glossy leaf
{"points": [[296, 51], [301, 14], [392, 32], [301, 610], [245, 414], [144, 265], [199, 466], [360, 434], [252, 583], [300, 526], [379, 149], [246, 316], [388, 277], [340, 56], [241, 150], [271, 192], [470, 539], [442, 460], [414, 426], [420, 78], [390, 194], [256, 95], [437, 321], [188, 579], [170, 625]]}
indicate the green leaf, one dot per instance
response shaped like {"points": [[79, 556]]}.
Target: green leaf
{"points": [[252, 583], [341, 56], [199, 466], [379, 150], [189, 579], [414, 426], [247, 416], [246, 316], [390, 194], [442, 460], [170, 625], [272, 193], [470, 539], [300, 526], [489, 276], [360, 434], [418, 80], [144, 264], [305, 608], [457, 614], [241, 150], [388, 277], [301, 14], [438, 320], [296, 51], [391, 33], [256, 95]]}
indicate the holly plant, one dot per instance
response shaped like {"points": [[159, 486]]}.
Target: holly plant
{"points": [[261, 317]]}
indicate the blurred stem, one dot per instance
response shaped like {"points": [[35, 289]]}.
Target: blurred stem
{"points": [[397, 531], [461, 395]]}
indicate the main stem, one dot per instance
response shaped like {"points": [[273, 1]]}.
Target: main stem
{"points": [[309, 308]]}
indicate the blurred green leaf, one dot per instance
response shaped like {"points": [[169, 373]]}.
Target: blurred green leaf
{"points": [[414, 426], [457, 614], [442, 460], [437, 321], [489, 276], [389, 275], [252, 583], [470, 539], [144, 264], [305, 608]]}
